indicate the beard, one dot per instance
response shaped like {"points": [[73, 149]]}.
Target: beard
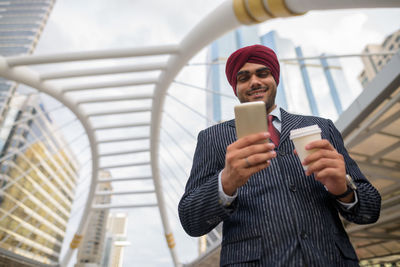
{"points": [[270, 102], [268, 99]]}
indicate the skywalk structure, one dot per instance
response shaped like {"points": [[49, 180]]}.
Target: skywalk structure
{"points": [[364, 119]]}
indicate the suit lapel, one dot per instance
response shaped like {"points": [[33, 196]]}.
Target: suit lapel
{"points": [[231, 123], [289, 122]]}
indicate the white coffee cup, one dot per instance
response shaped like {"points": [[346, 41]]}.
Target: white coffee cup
{"points": [[303, 136]]}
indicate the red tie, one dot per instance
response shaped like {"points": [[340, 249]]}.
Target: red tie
{"points": [[273, 131]]}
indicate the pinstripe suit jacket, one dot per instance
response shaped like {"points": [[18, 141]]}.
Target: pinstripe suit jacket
{"points": [[281, 217]]}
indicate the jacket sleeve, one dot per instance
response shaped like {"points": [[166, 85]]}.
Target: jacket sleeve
{"points": [[200, 209], [368, 207]]}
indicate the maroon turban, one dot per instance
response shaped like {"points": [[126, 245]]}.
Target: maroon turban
{"points": [[254, 54]]}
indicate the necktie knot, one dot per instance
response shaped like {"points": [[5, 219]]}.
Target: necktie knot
{"points": [[273, 131], [270, 119]]}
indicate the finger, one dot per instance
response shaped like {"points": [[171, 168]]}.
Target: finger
{"points": [[258, 167], [256, 149], [319, 165], [322, 164], [319, 144], [320, 154], [237, 157], [251, 139], [261, 158]]}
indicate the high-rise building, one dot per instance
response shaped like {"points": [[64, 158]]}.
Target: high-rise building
{"points": [[21, 24], [116, 240], [37, 183], [307, 86], [374, 63], [90, 252]]}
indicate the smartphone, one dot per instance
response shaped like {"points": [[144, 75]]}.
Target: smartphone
{"points": [[251, 118]]}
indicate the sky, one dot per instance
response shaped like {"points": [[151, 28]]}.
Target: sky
{"points": [[100, 24]]}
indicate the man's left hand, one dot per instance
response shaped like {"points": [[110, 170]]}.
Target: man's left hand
{"points": [[328, 167]]}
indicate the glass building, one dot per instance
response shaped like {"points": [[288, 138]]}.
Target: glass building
{"points": [[37, 182], [307, 86], [21, 25]]}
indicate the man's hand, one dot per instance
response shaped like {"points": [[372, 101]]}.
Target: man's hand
{"points": [[243, 158], [328, 167]]}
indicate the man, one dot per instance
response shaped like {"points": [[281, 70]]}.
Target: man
{"points": [[274, 213]]}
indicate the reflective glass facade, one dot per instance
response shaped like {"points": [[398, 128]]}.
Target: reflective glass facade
{"points": [[38, 179], [21, 24]]}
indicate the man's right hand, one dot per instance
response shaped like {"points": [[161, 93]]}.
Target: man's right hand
{"points": [[243, 158]]}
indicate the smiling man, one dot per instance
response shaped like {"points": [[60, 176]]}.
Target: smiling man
{"points": [[273, 212]]}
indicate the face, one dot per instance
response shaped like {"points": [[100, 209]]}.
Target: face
{"points": [[255, 83]]}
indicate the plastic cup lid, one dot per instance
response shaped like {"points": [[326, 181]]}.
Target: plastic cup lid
{"points": [[313, 129]]}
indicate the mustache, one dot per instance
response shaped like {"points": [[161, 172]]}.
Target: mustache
{"points": [[256, 89]]}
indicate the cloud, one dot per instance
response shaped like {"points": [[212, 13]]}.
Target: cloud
{"points": [[338, 32]]}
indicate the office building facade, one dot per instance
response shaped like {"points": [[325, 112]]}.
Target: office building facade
{"points": [[37, 183], [91, 250], [374, 63], [116, 240], [21, 25]]}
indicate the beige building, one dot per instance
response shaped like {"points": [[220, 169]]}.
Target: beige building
{"points": [[116, 240], [90, 252], [37, 184], [373, 64]]}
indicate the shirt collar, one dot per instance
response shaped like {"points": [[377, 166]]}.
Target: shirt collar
{"points": [[276, 112]]}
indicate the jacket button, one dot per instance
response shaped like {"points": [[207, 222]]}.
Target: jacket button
{"points": [[281, 152], [292, 187], [303, 235]]}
